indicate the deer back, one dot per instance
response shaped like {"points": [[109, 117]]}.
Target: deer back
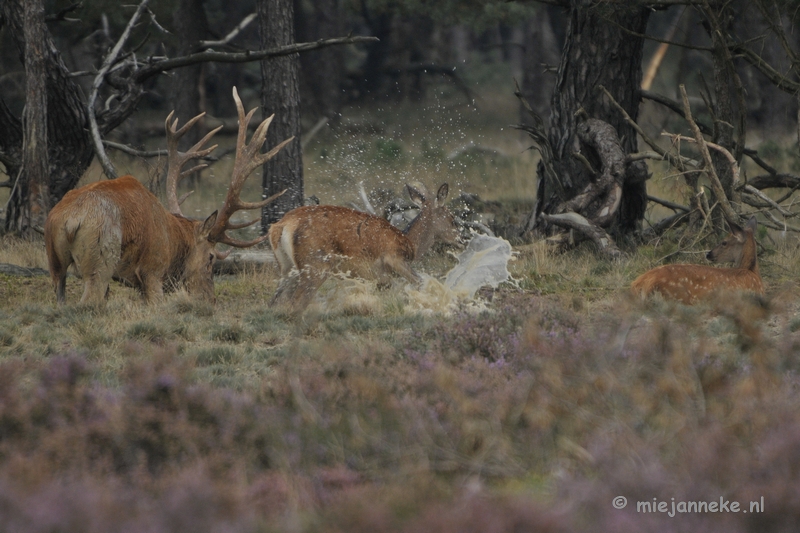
{"points": [[691, 283], [122, 225], [327, 234], [118, 228]]}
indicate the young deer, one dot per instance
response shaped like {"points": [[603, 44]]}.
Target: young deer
{"points": [[118, 229], [691, 283], [316, 240]]}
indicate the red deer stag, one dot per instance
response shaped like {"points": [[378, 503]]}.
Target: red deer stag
{"points": [[318, 239], [118, 229], [691, 283]]}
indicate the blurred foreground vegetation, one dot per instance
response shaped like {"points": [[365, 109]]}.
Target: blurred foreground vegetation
{"points": [[531, 414]]}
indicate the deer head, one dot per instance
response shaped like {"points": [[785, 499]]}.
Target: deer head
{"points": [[198, 270], [434, 223], [736, 247]]}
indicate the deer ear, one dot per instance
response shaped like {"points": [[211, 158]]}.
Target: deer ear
{"points": [[752, 224], [441, 195], [205, 228], [735, 228], [416, 196]]}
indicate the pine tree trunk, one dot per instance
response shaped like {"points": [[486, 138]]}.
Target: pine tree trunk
{"points": [[280, 95], [597, 52], [69, 145], [322, 70], [33, 182], [191, 27]]}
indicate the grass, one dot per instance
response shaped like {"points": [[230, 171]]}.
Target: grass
{"points": [[528, 412], [391, 419]]}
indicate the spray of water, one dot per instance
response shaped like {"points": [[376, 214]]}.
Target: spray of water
{"points": [[483, 263]]}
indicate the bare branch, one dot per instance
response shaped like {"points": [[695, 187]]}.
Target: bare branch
{"points": [[156, 24], [722, 149], [149, 153], [674, 161], [233, 33], [671, 104], [775, 181], [100, 152], [62, 15], [716, 186], [667, 203], [157, 67], [769, 201]]}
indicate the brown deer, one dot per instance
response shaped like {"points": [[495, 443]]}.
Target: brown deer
{"points": [[118, 229], [319, 239], [692, 283]]}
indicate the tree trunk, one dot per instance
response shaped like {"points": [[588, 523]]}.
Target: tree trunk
{"points": [[69, 145], [32, 183], [280, 94], [719, 22], [191, 27], [541, 45], [598, 51], [321, 70]]}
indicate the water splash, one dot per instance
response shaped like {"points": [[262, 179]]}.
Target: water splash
{"points": [[483, 263]]}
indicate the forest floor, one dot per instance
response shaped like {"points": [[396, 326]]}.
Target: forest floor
{"points": [[531, 408]]}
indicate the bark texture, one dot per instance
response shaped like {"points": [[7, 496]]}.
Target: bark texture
{"points": [[280, 95], [321, 72], [597, 52], [191, 26], [33, 184], [69, 146]]}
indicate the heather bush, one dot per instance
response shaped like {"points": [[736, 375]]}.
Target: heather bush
{"points": [[528, 416]]}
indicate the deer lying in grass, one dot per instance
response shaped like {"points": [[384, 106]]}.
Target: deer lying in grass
{"points": [[691, 283], [316, 240], [117, 228]]}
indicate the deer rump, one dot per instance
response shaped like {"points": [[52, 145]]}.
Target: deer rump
{"points": [[333, 238], [118, 229]]}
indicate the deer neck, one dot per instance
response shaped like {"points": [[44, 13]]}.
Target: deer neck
{"points": [[749, 260], [420, 233], [181, 239]]}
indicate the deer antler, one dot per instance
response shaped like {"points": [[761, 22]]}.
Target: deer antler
{"points": [[176, 159], [248, 158]]}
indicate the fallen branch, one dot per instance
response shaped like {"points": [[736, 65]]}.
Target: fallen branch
{"points": [[14, 270], [604, 242]]}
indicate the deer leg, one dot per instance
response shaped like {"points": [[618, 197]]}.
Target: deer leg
{"points": [[61, 287], [152, 288], [399, 266], [296, 292]]}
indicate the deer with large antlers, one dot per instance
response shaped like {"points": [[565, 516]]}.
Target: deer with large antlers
{"points": [[692, 283], [118, 229], [313, 241]]}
